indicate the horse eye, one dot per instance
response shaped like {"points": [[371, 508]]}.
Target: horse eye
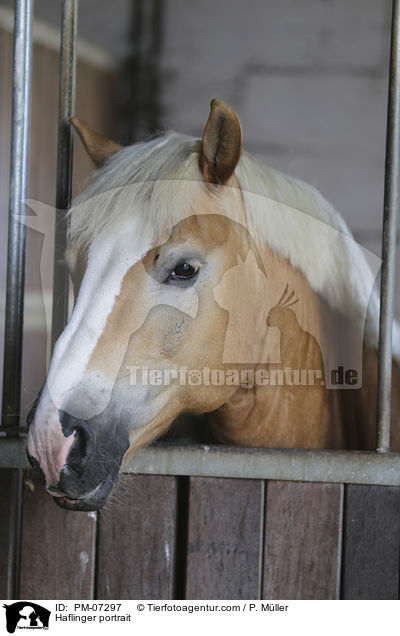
{"points": [[183, 271]]}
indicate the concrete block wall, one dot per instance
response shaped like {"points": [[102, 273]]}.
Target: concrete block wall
{"points": [[308, 79]]}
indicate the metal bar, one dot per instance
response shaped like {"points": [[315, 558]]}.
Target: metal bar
{"points": [[390, 209], [14, 315], [352, 467], [269, 463], [66, 105], [19, 176]]}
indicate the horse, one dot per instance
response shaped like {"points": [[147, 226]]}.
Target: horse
{"points": [[205, 282]]}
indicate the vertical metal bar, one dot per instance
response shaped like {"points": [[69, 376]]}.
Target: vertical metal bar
{"points": [[19, 177], [66, 105], [390, 209]]}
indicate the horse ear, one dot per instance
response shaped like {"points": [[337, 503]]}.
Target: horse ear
{"points": [[98, 147], [222, 143]]}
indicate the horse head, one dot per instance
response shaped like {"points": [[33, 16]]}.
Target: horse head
{"points": [[145, 254], [176, 248]]}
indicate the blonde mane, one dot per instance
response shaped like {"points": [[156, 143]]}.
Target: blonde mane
{"points": [[288, 215]]}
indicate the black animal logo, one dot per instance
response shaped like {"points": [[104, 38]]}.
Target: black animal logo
{"points": [[26, 614]]}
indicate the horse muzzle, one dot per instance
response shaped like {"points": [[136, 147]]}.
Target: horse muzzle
{"points": [[93, 500], [89, 468]]}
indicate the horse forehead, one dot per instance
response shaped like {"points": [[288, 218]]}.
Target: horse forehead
{"points": [[200, 225], [205, 230], [108, 263], [119, 253]]}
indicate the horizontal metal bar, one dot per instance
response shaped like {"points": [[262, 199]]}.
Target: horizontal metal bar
{"points": [[12, 453], [352, 467]]}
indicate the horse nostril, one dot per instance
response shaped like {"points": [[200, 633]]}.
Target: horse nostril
{"points": [[81, 449], [83, 445]]}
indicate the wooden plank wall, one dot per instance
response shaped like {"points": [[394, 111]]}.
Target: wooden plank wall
{"points": [[371, 543], [244, 539], [302, 540], [136, 541]]}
